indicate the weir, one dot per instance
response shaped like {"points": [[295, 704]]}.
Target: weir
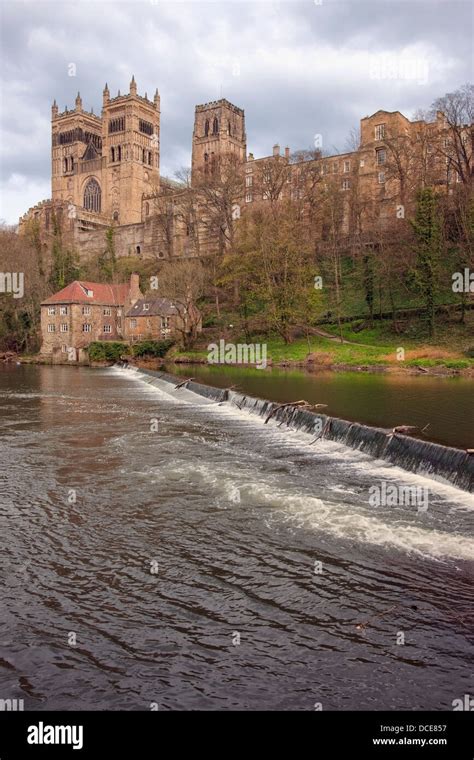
{"points": [[423, 457]]}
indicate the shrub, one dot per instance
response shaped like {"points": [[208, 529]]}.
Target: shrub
{"points": [[469, 352], [157, 348], [106, 350]]}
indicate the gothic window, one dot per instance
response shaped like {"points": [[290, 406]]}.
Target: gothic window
{"points": [[144, 155], [206, 128], [215, 126], [145, 127], [92, 196], [147, 208], [72, 163], [119, 153], [65, 165], [229, 129], [117, 125], [149, 158], [112, 154]]}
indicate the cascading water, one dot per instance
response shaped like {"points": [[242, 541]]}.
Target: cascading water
{"points": [[453, 465]]}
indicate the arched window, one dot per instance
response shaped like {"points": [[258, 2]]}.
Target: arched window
{"points": [[206, 163], [144, 155], [149, 157], [138, 250], [206, 128], [112, 154], [115, 216], [229, 128], [119, 152], [65, 165], [72, 163], [92, 196], [147, 208], [215, 126]]}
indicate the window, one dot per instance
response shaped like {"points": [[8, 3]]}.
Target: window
{"points": [[248, 169], [86, 310], [248, 198], [347, 167], [64, 348], [64, 327], [149, 158], [229, 128], [335, 168], [133, 323], [51, 328], [248, 181], [117, 125], [112, 154], [380, 131], [51, 310], [107, 328], [86, 327], [63, 310], [381, 178], [362, 163], [92, 196], [381, 156], [72, 163], [346, 184], [206, 128], [145, 126], [147, 208], [119, 153], [107, 311], [144, 155], [146, 307], [165, 323], [215, 126], [138, 250]]}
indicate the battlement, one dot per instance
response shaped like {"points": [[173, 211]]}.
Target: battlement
{"points": [[219, 104]]}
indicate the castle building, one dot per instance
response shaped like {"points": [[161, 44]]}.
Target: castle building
{"points": [[106, 174]]}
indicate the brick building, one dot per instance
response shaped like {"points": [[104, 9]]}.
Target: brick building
{"points": [[153, 318], [84, 312]]}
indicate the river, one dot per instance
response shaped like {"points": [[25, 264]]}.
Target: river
{"points": [[161, 549]]}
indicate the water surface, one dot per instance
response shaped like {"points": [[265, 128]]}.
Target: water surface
{"points": [[235, 516]]}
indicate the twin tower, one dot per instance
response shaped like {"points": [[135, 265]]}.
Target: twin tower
{"points": [[105, 165]]}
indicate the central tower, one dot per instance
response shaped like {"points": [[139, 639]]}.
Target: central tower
{"points": [[219, 132]]}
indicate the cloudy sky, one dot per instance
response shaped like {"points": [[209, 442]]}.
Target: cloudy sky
{"points": [[299, 69]]}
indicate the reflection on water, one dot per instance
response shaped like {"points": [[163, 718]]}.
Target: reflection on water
{"points": [[252, 532], [445, 404]]}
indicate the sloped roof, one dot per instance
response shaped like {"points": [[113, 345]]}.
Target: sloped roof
{"points": [[157, 307], [101, 293]]}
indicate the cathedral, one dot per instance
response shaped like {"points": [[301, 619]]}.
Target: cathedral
{"points": [[105, 174]]}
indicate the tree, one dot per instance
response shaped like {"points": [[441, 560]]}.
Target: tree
{"points": [[183, 283], [427, 228]]}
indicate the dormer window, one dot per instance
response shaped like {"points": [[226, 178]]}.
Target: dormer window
{"points": [[146, 307]]}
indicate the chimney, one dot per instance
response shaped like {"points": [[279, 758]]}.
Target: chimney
{"points": [[135, 292], [276, 150], [287, 152]]}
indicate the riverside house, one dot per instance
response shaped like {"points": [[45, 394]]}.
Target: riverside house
{"points": [[84, 312], [158, 319]]}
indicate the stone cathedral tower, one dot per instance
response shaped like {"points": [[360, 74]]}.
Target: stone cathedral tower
{"points": [[104, 166], [219, 131]]}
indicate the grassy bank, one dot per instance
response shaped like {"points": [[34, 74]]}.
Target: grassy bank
{"points": [[374, 347]]}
